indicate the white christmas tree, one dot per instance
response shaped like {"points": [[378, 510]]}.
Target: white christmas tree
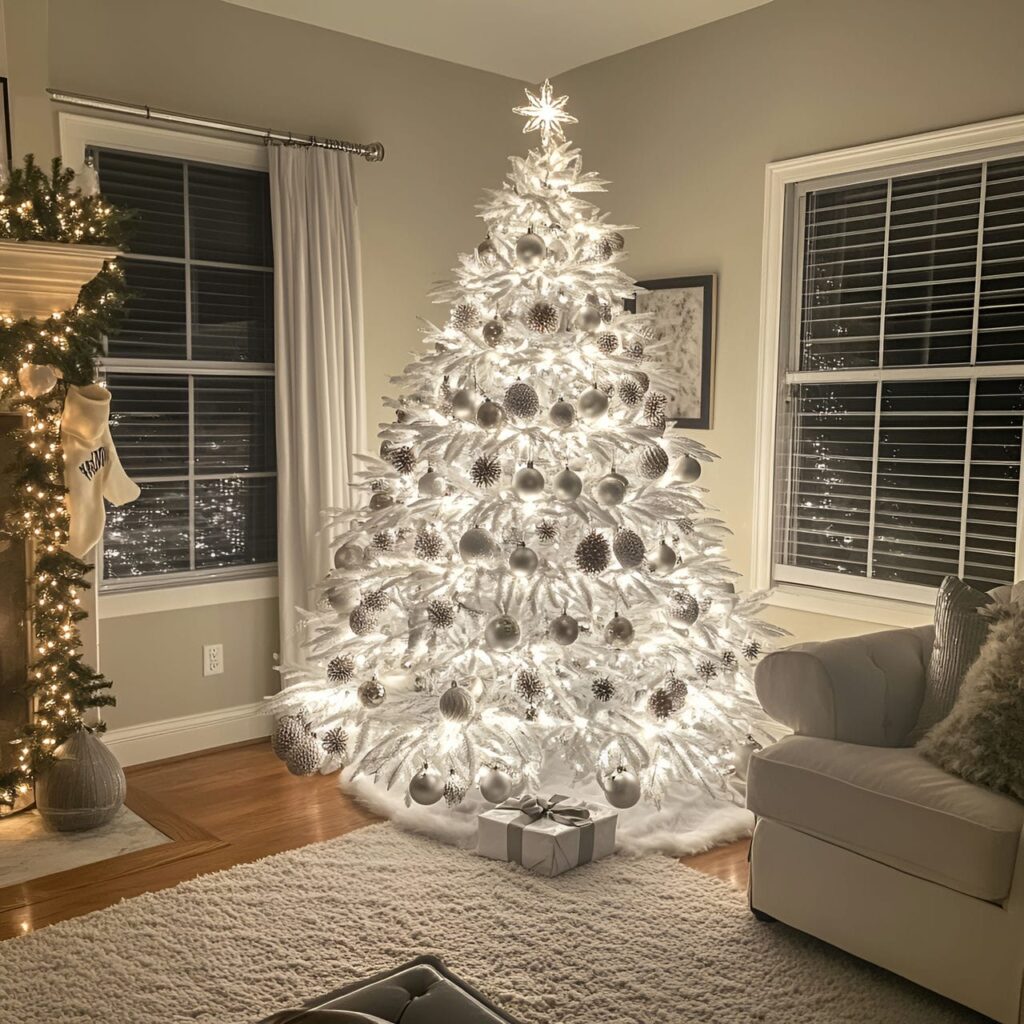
{"points": [[535, 575]]}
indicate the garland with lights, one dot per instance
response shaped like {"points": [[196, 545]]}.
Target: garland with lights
{"points": [[38, 207]]}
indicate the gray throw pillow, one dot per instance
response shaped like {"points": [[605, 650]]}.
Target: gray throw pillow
{"points": [[960, 630], [982, 738]]}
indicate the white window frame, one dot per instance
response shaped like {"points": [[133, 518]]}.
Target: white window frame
{"points": [[200, 587], [890, 605]]}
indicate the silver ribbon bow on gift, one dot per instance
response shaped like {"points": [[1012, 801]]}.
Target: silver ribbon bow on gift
{"points": [[535, 807]]}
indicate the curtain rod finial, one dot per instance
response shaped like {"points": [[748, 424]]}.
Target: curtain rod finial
{"points": [[374, 152]]}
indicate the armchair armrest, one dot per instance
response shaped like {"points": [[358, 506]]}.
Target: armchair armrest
{"points": [[864, 689]]}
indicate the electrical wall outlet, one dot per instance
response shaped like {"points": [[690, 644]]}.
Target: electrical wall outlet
{"points": [[213, 660]]}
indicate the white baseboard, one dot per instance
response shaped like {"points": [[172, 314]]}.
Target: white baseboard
{"points": [[152, 741]]}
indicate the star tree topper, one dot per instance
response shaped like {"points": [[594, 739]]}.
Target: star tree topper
{"points": [[546, 113]]}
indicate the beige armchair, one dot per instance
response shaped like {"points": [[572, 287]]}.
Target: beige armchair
{"points": [[863, 843]]}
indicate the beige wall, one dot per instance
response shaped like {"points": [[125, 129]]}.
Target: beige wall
{"points": [[684, 127], [447, 130]]}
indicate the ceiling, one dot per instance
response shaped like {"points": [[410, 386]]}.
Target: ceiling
{"points": [[525, 39]]}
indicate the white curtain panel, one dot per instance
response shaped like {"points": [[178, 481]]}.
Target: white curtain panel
{"points": [[321, 407]]}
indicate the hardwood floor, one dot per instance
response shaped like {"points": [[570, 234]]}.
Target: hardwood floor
{"points": [[220, 808]]}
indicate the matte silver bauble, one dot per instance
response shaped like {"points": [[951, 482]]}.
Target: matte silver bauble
{"points": [[495, 784], [380, 500], [528, 482], [611, 489], [593, 404], [567, 485], [490, 415], [475, 544], [349, 556], [562, 414], [493, 332], [621, 788], [687, 470], [343, 597], [619, 632], [666, 558], [456, 704], [426, 786], [523, 561], [487, 251], [431, 485], [564, 630], [502, 633], [589, 318], [530, 249], [371, 693], [464, 405]]}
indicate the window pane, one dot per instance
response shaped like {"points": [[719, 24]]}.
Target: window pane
{"points": [[1001, 313], [236, 521], [995, 483], [829, 481], [232, 314], [153, 326], [149, 537], [229, 215], [234, 424], [922, 444], [154, 190], [841, 303], [149, 423], [933, 252]]}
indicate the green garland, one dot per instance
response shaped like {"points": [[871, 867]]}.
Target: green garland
{"points": [[35, 207]]}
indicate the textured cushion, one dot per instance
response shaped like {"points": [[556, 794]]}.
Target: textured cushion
{"points": [[960, 630], [892, 805], [982, 738]]}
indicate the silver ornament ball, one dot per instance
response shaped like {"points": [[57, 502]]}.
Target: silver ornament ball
{"points": [[495, 784], [349, 556], [431, 485], [380, 500], [456, 704], [475, 544], [523, 561], [426, 786], [464, 405], [564, 630], [621, 788], [567, 485], [371, 693], [666, 558], [611, 489], [490, 415], [562, 414], [530, 249], [487, 251], [593, 404], [502, 633], [619, 632], [688, 470], [493, 332], [528, 483]]}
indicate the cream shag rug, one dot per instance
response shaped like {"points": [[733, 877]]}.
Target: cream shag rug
{"points": [[623, 941]]}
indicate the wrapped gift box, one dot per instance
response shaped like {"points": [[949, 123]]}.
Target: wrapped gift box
{"points": [[546, 836]]}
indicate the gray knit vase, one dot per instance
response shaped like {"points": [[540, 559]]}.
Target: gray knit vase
{"points": [[83, 788]]}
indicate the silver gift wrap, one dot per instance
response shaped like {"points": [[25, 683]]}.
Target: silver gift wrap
{"points": [[546, 836]]}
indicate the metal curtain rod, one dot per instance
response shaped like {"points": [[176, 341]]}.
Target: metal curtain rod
{"points": [[372, 151]]}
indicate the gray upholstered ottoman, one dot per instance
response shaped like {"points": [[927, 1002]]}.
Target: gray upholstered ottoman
{"points": [[422, 991]]}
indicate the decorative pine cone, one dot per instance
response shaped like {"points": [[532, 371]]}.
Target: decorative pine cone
{"points": [[380, 486], [593, 554], [340, 669], [335, 742], [383, 541], [628, 548], [751, 650], [630, 392], [465, 316], [486, 471], [634, 350], [307, 756], [454, 790], [706, 669], [547, 531], [607, 343], [660, 703], [603, 689], [685, 525], [361, 620], [605, 309], [289, 732], [521, 401], [402, 458], [653, 462], [600, 249], [642, 379], [376, 601], [678, 690], [441, 614], [429, 544], [444, 397], [685, 607], [542, 318], [729, 660], [529, 685]]}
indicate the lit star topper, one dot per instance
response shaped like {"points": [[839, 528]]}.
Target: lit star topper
{"points": [[546, 113]]}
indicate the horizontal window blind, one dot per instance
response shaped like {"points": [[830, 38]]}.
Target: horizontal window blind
{"points": [[898, 456], [191, 371]]}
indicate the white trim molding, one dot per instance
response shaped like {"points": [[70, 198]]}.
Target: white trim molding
{"points": [[118, 604], [782, 179], [170, 737]]}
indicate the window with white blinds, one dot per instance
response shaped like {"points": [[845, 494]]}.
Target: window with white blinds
{"points": [[898, 453], [191, 372]]}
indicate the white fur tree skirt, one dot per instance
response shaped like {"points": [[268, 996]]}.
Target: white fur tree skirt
{"points": [[691, 820], [620, 941]]}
